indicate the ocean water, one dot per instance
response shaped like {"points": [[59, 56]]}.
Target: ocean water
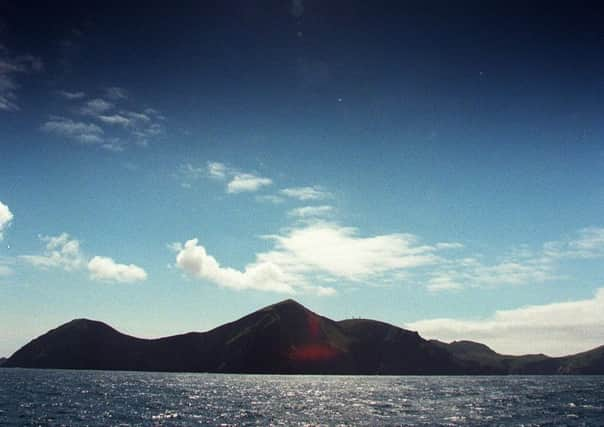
{"points": [[102, 398]]}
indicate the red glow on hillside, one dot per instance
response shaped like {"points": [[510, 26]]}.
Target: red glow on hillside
{"points": [[313, 325], [313, 352]]}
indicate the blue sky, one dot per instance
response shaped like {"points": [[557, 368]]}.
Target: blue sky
{"points": [[171, 169]]}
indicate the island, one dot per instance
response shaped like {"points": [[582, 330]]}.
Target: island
{"points": [[286, 338]]}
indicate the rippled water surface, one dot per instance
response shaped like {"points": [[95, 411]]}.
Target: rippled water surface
{"points": [[52, 397]]}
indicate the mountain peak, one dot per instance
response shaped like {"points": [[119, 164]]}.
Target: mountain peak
{"points": [[288, 302], [287, 305]]}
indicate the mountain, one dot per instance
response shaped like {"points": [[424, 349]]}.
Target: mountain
{"points": [[284, 338], [476, 356], [2, 360], [480, 358]]}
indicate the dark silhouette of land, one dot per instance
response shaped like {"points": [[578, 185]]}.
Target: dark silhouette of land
{"points": [[286, 338]]}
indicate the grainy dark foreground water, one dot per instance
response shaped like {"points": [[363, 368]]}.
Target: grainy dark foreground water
{"points": [[78, 398]]}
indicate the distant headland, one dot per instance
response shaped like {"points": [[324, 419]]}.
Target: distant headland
{"points": [[286, 338]]}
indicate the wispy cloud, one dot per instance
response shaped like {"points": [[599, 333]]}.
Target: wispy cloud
{"points": [[456, 274], [306, 258], [63, 251], [109, 124], [247, 182], [519, 267], [217, 170], [557, 329], [10, 67], [83, 132], [115, 119], [306, 193], [6, 216], [236, 180], [311, 211], [71, 95], [587, 243], [96, 106], [270, 198], [116, 93]]}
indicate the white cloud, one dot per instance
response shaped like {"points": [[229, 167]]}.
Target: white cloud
{"points": [[10, 66], [305, 258], [338, 251], [237, 181], [71, 95], [455, 274], [311, 211], [116, 93], [85, 133], [111, 128], [306, 193], [115, 119], [521, 266], [62, 251], [188, 174], [556, 329], [96, 106], [6, 216], [588, 243], [271, 198], [194, 260], [247, 182], [217, 170], [138, 116], [106, 269]]}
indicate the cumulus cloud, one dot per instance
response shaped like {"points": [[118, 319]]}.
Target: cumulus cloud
{"points": [[303, 259], [10, 67], [556, 329], [106, 269], [306, 193], [247, 182], [61, 251], [85, 133], [6, 216], [195, 261], [311, 211], [64, 252]]}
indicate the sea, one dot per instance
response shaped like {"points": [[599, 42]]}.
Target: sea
{"points": [[107, 398]]}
